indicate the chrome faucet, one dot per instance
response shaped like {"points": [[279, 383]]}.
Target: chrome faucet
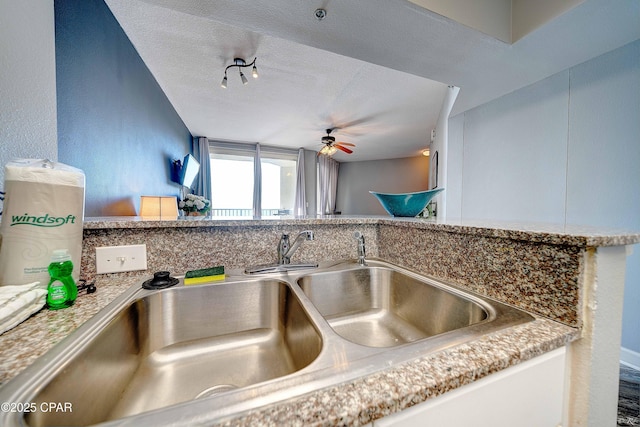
{"points": [[286, 249], [362, 252], [283, 248]]}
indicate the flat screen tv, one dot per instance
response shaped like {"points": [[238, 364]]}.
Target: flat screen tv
{"points": [[190, 169]]}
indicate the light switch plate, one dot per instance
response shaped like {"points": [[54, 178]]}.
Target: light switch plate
{"points": [[118, 259]]}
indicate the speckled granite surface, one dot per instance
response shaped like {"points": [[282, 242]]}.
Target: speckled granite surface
{"points": [[535, 276], [353, 403], [400, 387], [179, 249], [534, 232], [22, 345], [534, 267]]}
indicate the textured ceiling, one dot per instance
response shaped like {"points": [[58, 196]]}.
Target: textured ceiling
{"points": [[370, 68]]}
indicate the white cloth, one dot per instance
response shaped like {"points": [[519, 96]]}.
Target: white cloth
{"points": [[17, 303]]}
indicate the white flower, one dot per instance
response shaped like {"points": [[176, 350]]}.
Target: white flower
{"points": [[194, 203]]}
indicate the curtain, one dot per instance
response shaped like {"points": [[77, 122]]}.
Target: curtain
{"points": [[300, 202], [257, 185], [328, 182], [200, 149]]}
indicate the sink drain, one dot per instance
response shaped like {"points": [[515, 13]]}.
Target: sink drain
{"points": [[215, 390]]}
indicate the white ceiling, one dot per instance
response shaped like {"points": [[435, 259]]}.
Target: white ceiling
{"points": [[371, 68]]}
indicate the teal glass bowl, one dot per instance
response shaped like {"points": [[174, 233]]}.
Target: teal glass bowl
{"points": [[405, 204]]}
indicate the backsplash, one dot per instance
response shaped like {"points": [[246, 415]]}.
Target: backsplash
{"points": [[538, 277], [538, 271], [181, 249]]}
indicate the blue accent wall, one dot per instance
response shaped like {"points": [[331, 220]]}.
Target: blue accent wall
{"points": [[114, 121]]}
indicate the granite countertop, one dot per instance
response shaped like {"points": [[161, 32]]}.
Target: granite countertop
{"points": [[355, 402], [22, 345], [400, 387], [364, 399], [535, 232]]}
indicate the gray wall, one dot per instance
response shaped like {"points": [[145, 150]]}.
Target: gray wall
{"points": [[114, 120], [27, 82], [356, 179], [563, 150]]}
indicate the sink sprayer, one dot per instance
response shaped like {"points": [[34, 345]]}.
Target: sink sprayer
{"points": [[362, 252]]}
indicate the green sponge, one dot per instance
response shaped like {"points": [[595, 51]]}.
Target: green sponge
{"points": [[204, 275]]}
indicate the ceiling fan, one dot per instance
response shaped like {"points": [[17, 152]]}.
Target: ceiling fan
{"points": [[331, 146]]}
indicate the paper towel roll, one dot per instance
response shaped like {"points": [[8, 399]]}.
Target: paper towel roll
{"points": [[43, 211]]}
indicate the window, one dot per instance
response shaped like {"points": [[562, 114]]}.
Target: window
{"points": [[231, 184], [233, 181], [278, 184]]}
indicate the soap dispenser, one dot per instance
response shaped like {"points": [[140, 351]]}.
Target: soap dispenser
{"points": [[62, 290]]}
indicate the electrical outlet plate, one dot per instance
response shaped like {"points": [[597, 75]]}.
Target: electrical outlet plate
{"points": [[118, 259]]}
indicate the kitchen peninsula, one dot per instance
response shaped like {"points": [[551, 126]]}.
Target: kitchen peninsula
{"points": [[548, 271]]}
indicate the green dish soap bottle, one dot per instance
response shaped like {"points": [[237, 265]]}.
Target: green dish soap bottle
{"points": [[62, 290]]}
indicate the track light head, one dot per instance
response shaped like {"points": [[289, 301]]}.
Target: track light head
{"points": [[240, 63]]}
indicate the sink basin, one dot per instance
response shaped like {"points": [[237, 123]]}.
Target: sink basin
{"points": [[381, 307], [182, 344], [202, 354]]}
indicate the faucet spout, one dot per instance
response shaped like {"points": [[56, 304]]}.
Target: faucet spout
{"points": [[286, 250]]}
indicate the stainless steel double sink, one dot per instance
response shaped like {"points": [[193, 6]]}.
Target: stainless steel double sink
{"points": [[200, 354]]}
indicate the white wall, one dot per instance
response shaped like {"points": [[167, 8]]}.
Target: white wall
{"points": [[27, 82], [356, 179], [563, 150], [515, 155], [440, 146], [455, 172], [603, 183]]}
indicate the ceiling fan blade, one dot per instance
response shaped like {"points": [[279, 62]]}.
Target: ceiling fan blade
{"points": [[345, 149], [348, 144]]}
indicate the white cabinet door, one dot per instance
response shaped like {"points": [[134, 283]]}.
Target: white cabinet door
{"points": [[530, 394]]}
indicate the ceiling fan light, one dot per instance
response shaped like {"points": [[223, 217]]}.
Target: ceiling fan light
{"points": [[254, 72], [223, 84], [243, 78], [328, 150]]}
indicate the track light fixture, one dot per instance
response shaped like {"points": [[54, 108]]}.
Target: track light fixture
{"points": [[240, 63]]}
